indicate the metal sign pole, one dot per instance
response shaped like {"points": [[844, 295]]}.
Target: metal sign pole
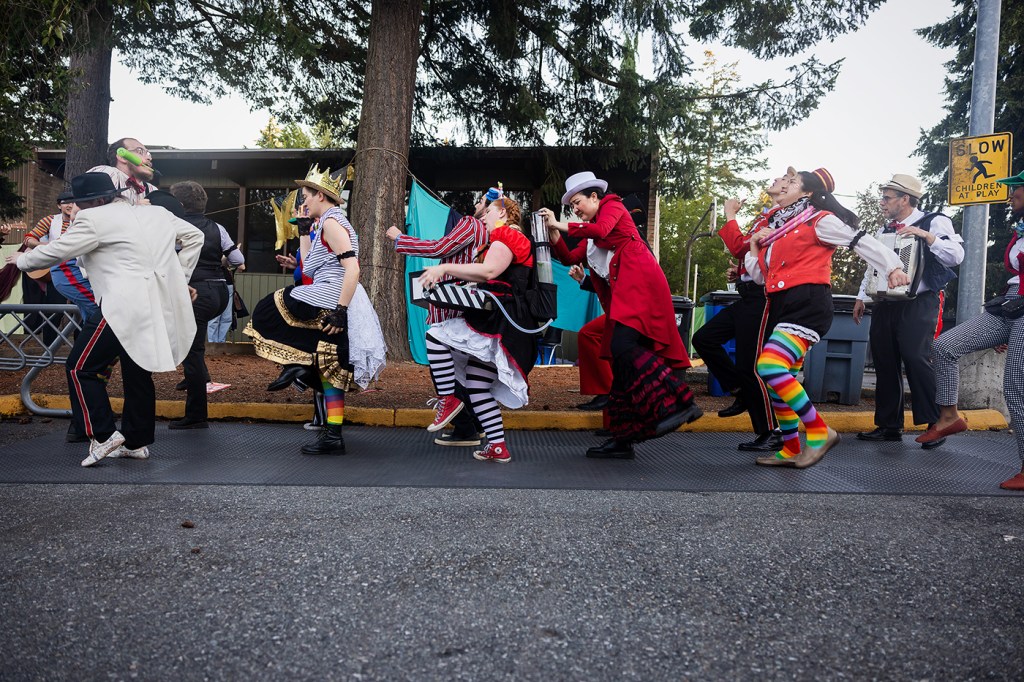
{"points": [[971, 292]]}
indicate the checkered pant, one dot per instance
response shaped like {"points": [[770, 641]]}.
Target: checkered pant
{"points": [[980, 333]]}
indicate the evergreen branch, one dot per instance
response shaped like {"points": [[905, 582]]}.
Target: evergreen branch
{"points": [[585, 70]]}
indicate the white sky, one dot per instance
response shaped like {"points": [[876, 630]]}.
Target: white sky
{"points": [[889, 89]]}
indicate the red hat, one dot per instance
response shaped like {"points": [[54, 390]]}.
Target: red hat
{"points": [[826, 179]]}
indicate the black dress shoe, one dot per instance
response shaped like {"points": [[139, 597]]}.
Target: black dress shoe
{"points": [[288, 375], [880, 434], [737, 407], [180, 386], [74, 436], [612, 449], [599, 402], [328, 442], [931, 445], [187, 423], [766, 442]]}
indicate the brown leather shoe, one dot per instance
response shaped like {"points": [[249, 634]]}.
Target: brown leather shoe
{"points": [[935, 434], [811, 456]]}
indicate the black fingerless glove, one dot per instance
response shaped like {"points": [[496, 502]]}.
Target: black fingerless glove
{"points": [[337, 318], [303, 225]]}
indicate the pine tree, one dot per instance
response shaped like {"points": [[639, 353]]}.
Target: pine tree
{"points": [[514, 72], [957, 33]]}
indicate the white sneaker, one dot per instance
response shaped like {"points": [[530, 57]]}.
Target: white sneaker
{"points": [[310, 426], [98, 451], [137, 453]]}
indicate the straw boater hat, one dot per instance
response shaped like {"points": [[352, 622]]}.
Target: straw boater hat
{"points": [[907, 184], [323, 182], [581, 181]]}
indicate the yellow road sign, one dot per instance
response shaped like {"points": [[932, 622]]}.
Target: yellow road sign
{"points": [[975, 163]]}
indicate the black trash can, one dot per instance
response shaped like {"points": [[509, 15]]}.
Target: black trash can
{"points": [[684, 318]]}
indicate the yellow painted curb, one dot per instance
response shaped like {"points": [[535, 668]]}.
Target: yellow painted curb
{"points": [[844, 422]]}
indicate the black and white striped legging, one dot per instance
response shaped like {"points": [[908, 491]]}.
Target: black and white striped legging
{"points": [[480, 378], [980, 333]]}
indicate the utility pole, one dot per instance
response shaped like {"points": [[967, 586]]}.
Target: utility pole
{"points": [[971, 291]]}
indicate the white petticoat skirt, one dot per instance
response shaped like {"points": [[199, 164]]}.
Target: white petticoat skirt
{"points": [[366, 347], [510, 389]]}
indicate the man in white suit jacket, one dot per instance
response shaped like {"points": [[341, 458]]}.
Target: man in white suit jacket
{"points": [[145, 318]]}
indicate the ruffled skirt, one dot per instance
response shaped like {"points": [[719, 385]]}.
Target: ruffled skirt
{"points": [[511, 389]]}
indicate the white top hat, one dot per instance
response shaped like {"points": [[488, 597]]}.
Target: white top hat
{"points": [[581, 181]]}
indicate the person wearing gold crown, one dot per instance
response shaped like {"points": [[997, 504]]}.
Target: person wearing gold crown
{"points": [[324, 331]]}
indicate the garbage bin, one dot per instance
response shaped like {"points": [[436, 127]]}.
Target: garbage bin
{"points": [[716, 302], [835, 365], [684, 316]]}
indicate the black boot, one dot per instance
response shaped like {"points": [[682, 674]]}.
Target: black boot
{"points": [[328, 442], [612, 449], [288, 374]]}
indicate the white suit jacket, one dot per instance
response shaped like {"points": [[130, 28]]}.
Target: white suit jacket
{"points": [[140, 283]]}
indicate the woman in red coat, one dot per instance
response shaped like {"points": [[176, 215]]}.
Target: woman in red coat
{"points": [[649, 395]]}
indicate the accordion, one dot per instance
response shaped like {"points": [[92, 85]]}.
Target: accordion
{"points": [[910, 249], [457, 296]]}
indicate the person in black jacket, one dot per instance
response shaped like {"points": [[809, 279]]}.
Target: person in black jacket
{"points": [[211, 295]]}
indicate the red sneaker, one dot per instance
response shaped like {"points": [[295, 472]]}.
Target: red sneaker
{"points": [[495, 452], [1015, 483], [445, 409]]}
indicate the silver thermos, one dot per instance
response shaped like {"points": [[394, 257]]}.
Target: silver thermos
{"points": [[542, 252]]}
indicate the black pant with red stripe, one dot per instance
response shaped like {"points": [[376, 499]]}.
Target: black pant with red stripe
{"points": [[87, 368]]}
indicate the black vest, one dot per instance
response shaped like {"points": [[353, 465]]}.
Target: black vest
{"points": [[936, 275], [209, 265]]}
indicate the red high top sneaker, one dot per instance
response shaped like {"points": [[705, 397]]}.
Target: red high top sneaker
{"points": [[495, 452], [445, 409]]}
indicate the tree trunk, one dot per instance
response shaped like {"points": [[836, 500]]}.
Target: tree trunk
{"points": [[88, 113], [378, 196]]}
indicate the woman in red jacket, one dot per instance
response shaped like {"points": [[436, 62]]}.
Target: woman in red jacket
{"points": [[649, 395]]}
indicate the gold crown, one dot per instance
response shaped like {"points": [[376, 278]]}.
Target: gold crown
{"points": [[322, 180]]}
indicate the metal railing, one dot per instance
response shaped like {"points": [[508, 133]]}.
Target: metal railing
{"points": [[36, 336]]}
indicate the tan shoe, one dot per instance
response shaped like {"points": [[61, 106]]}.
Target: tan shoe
{"points": [[773, 461], [810, 456]]}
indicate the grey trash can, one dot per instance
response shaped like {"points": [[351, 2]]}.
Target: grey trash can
{"points": [[834, 367]]}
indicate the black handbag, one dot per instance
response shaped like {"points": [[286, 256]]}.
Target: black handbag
{"points": [[542, 300], [1005, 306], [238, 306]]}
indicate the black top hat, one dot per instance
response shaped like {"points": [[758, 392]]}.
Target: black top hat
{"points": [[89, 186], [65, 197], [161, 197]]}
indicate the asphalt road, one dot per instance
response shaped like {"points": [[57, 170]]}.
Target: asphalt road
{"points": [[104, 582]]}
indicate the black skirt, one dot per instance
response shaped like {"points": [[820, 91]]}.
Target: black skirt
{"points": [[287, 331]]}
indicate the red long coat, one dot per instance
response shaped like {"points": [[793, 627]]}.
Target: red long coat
{"points": [[637, 293]]}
